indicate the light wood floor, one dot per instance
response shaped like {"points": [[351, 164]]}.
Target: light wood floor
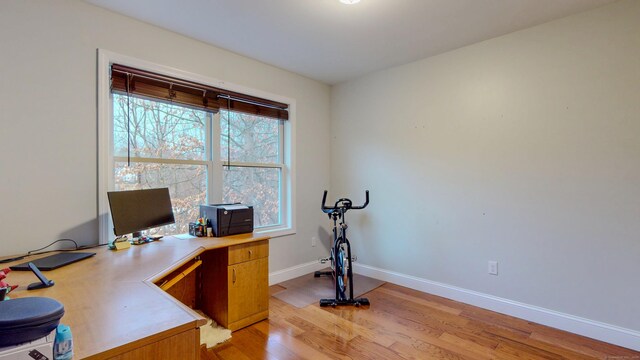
{"points": [[404, 324]]}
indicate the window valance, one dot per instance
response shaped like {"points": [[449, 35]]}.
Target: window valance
{"points": [[126, 79]]}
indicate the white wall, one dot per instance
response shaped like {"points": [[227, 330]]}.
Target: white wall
{"points": [[523, 149], [48, 146]]}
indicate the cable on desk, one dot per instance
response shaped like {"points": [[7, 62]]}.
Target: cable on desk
{"points": [[32, 252]]}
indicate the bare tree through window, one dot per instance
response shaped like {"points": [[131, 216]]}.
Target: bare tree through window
{"points": [[252, 143], [160, 135], [168, 146]]}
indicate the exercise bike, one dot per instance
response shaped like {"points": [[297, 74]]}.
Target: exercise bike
{"points": [[340, 255]]}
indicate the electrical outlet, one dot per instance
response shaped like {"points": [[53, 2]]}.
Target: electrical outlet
{"points": [[493, 267], [314, 240]]}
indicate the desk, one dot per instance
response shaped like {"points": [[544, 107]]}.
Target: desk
{"points": [[117, 312]]}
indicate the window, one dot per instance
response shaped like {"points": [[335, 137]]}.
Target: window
{"points": [[206, 144], [156, 144], [251, 147]]}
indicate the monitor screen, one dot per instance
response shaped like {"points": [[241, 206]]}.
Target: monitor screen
{"points": [[137, 210]]}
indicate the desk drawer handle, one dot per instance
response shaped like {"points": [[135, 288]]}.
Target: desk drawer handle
{"points": [[234, 275], [250, 253]]}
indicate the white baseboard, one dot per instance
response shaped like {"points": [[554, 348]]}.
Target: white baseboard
{"points": [[295, 271], [594, 329]]}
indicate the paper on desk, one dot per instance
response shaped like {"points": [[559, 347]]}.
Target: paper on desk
{"points": [[234, 207]]}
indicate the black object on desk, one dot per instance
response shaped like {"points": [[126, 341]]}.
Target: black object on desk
{"points": [[228, 219], [44, 282], [53, 261]]}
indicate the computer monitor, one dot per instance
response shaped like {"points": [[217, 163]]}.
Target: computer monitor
{"points": [[135, 210]]}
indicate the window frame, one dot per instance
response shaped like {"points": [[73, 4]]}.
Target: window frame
{"points": [[106, 158]]}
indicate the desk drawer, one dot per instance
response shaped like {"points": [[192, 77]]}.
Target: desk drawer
{"points": [[249, 251]]}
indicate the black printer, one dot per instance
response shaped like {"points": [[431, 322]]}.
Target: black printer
{"points": [[228, 219]]}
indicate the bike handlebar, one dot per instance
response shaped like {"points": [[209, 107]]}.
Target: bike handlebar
{"points": [[346, 203], [366, 201]]}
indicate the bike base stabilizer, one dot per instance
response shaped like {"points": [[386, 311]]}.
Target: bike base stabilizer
{"points": [[323, 273], [352, 302]]}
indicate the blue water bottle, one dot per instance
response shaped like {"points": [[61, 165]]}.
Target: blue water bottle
{"points": [[63, 346]]}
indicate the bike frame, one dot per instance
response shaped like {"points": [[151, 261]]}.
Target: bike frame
{"points": [[338, 211]]}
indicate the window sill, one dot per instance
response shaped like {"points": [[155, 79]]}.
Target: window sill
{"points": [[273, 233], [276, 232]]}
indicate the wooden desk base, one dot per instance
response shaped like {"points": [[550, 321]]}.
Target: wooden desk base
{"points": [[116, 311], [185, 345]]}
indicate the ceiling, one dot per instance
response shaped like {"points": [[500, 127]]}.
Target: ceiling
{"points": [[332, 42]]}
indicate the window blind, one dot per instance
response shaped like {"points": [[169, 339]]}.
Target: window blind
{"points": [[126, 79]]}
